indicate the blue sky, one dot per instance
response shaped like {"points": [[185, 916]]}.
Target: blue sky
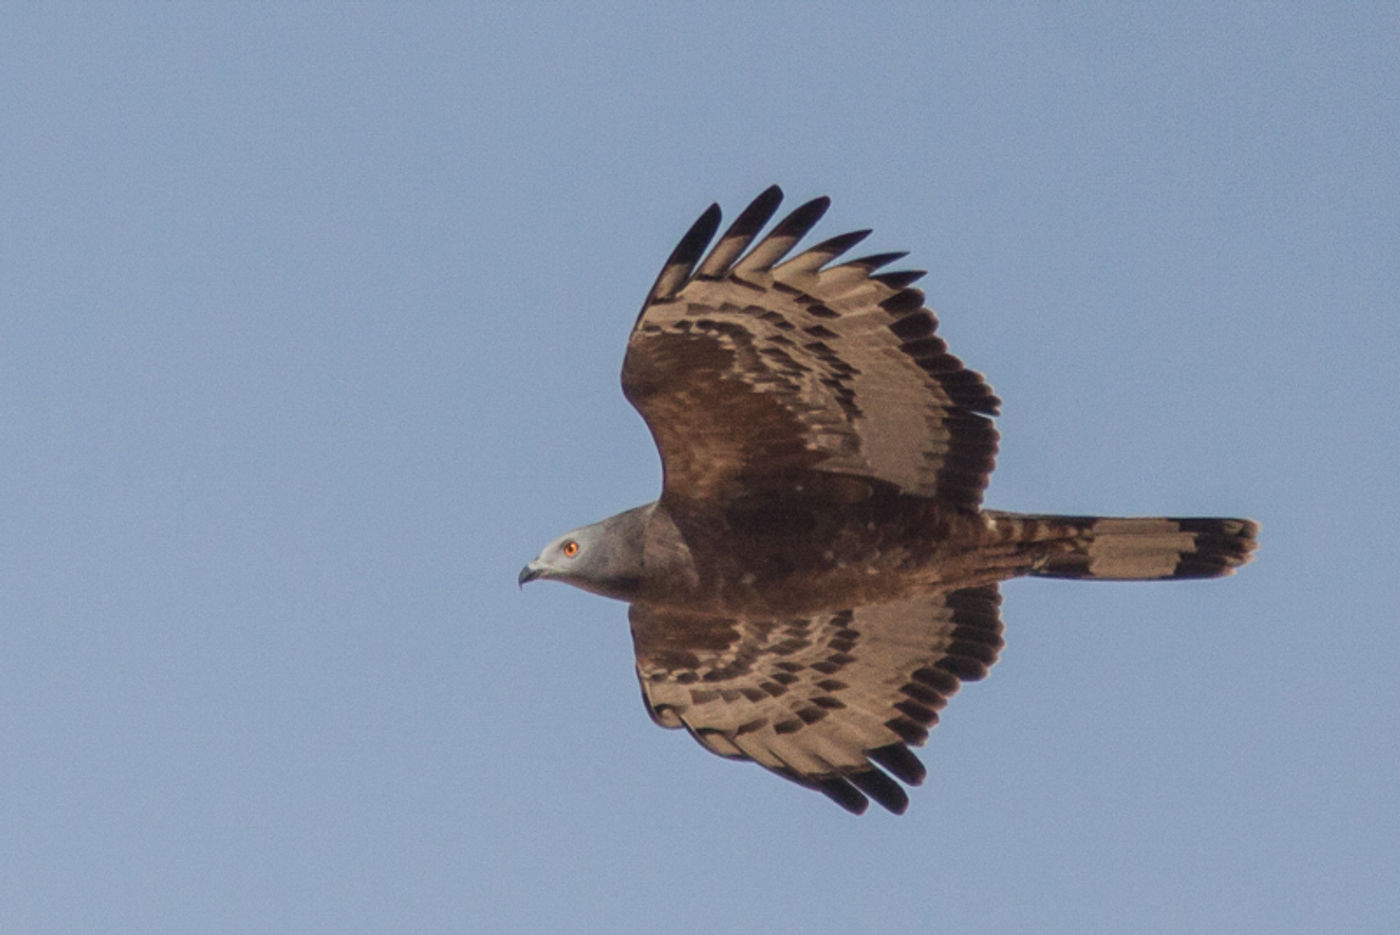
{"points": [[310, 325]]}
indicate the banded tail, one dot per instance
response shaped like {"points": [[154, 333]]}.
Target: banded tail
{"points": [[1131, 548]]}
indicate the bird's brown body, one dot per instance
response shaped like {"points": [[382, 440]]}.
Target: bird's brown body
{"points": [[798, 554]]}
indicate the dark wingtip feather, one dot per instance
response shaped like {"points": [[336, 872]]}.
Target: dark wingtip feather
{"points": [[900, 279], [898, 759], [687, 253], [908, 731], [839, 244], [904, 302], [751, 220], [882, 789], [696, 239], [760, 210], [877, 260], [803, 218], [843, 794]]}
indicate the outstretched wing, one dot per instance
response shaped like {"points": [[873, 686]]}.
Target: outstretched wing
{"points": [[830, 702], [747, 369]]}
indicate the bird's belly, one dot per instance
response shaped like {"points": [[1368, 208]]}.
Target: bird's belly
{"points": [[831, 583]]}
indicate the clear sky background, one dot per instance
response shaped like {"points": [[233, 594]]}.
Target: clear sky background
{"points": [[310, 327]]}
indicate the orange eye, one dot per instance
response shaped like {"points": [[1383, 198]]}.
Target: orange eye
{"points": [[570, 549]]}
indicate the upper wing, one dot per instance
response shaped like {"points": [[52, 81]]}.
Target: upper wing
{"points": [[823, 701], [747, 369]]}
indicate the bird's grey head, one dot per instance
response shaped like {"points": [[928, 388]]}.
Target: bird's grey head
{"points": [[605, 557]]}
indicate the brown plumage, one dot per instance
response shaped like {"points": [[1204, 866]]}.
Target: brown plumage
{"points": [[818, 575]]}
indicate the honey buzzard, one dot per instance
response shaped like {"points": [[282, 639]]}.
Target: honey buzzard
{"points": [[819, 575]]}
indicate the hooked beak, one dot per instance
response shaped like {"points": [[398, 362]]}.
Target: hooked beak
{"points": [[530, 572]]}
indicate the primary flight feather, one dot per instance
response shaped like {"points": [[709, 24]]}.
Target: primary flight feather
{"points": [[818, 575]]}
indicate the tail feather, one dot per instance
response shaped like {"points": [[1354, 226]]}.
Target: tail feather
{"points": [[1132, 548]]}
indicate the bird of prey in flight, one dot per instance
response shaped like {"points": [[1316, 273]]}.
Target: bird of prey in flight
{"points": [[819, 575]]}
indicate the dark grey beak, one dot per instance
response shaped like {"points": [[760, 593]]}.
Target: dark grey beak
{"points": [[529, 573]]}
